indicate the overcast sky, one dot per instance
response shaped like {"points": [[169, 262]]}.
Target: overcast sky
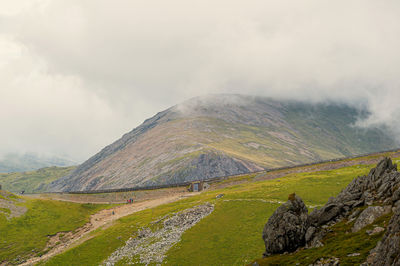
{"points": [[76, 75]]}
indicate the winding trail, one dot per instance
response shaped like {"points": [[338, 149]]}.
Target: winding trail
{"points": [[63, 241]]}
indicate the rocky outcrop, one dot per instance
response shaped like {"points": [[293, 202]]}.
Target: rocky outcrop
{"points": [[379, 190], [387, 252], [377, 187], [286, 228]]}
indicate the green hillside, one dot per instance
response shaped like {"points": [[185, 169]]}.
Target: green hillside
{"points": [[27, 232], [231, 235], [33, 181]]}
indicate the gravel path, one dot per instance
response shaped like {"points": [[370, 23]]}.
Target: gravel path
{"points": [[104, 218], [150, 247]]}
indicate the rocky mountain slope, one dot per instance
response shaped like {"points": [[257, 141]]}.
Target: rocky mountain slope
{"points": [[224, 135], [365, 200]]}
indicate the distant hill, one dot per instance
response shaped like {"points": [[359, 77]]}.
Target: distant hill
{"points": [[223, 135], [14, 162], [33, 181]]}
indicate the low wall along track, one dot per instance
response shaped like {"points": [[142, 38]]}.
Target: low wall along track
{"points": [[220, 178]]}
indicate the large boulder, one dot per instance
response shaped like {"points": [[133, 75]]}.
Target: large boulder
{"points": [[286, 228], [369, 215]]}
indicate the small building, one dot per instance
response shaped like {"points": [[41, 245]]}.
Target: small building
{"points": [[197, 186]]}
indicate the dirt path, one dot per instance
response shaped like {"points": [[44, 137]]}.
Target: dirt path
{"points": [[62, 241]]}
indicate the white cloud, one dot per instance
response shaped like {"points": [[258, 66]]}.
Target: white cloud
{"points": [[88, 71]]}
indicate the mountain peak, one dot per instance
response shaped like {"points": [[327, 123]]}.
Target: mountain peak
{"points": [[217, 135]]}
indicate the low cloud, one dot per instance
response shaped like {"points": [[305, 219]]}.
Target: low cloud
{"points": [[75, 75]]}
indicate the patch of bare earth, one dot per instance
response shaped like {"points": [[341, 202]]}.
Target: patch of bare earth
{"points": [[62, 241]]}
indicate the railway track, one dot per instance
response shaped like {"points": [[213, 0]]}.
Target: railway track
{"points": [[220, 178]]}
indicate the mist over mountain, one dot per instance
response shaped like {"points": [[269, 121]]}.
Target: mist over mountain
{"points": [[14, 162], [222, 135]]}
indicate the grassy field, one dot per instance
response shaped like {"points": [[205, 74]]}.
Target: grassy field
{"points": [[33, 181], [27, 234], [231, 235]]}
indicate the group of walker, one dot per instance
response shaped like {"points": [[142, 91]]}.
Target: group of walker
{"points": [[129, 200]]}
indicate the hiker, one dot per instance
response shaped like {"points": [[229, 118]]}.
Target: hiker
{"points": [[113, 212]]}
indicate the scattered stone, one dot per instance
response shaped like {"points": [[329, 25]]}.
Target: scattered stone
{"points": [[151, 247], [219, 196], [286, 228]]}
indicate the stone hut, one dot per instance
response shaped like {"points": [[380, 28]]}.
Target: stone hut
{"points": [[197, 186]]}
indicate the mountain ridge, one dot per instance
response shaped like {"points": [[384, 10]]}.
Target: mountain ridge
{"points": [[219, 135], [15, 162]]}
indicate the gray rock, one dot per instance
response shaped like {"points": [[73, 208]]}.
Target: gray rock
{"points": [[368, 216], [310, 233], [286, 228], [368, 198], [354, 214], [387, 252], [396, 195], [325, 214], [375, 231]]}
